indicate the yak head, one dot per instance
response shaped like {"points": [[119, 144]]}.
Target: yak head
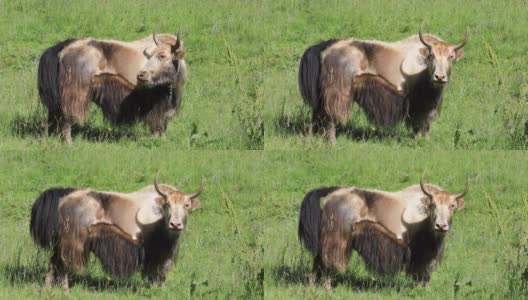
{"points": [[440, 206], [439, 57], [164, 61], [176, 205]]}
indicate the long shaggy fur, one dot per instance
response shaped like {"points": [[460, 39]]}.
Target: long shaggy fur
{"points": [[48, 75], [44, 224], [310, 218], [158, 249], [382, 253], [383, 105], [309, 73], [427, 250], [119, 255]]}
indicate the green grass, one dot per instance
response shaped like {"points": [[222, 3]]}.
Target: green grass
{"points": [[242, 94]]}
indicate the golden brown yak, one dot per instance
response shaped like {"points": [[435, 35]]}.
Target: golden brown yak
{"points": [[392, 82], [139, 231], [391, 231], [131, 81]]}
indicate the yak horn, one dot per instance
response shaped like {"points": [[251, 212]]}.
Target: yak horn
{"points": [[463, 43], [422, 185], [178, 39], [200, 190], [460, 195], [164, 195], [155, 38], [422, 38]]}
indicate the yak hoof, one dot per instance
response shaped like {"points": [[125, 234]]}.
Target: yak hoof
{"points": [[327, 284]]}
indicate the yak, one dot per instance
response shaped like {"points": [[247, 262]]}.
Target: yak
{"points": [[391, 231], [139, 231], [391, 82], [133, 81]]}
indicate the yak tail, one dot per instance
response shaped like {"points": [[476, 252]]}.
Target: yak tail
{"points": [[310, 218], [48, 74], [309, 73], [44, 223], [119, 254]]}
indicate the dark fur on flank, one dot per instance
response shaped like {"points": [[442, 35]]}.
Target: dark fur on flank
{"points": [[119, 255], [309, 74], [44, 224], [380, 101], [310, 218], [124, 105], [382, 253]]}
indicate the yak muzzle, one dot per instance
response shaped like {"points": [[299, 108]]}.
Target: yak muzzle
{"points": [[177, 226]]}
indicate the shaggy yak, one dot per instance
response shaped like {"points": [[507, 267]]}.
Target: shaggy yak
{"points": [[131, 81], [392, 82], [391, 231], [139, 231]]}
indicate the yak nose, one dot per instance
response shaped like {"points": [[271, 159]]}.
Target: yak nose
{"points": [[143, 75], [440, 78], [177, 225], [441, 227]]}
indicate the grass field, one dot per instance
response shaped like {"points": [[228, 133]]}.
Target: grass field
{"points": [[480, 259], [485, 104], [241, 95], [221, 254]]}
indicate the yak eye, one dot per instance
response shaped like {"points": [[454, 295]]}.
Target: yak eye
{"points": [[452, 205], [187, 205], [162, 56]]}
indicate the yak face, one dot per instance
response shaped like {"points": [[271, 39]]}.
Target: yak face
{"points": [[176, 205], [440, 207], [164, 62], [439, 57]]}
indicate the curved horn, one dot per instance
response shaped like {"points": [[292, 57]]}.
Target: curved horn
{"points": [[466, 189], [164, 195], [178, 39], [463, 43], [422, 185], [422, 38], [155, 38], [200, 190]]}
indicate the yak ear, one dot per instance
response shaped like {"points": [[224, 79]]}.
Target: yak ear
{"points": [[460, 203], [459, 54], [425, 201], [195, 203], [424, 51], [179, 54]]}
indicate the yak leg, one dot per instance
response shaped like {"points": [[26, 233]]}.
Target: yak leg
{"points": [[422, 130], [66, 131], [52, 268], [162, 276], [56, 266], [331, 131], [318, 120], [55, 119]]}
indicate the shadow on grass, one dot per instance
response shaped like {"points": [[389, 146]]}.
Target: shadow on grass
{"points": [[299, 123], [298, 274], [35, 125], [20, 274]]}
